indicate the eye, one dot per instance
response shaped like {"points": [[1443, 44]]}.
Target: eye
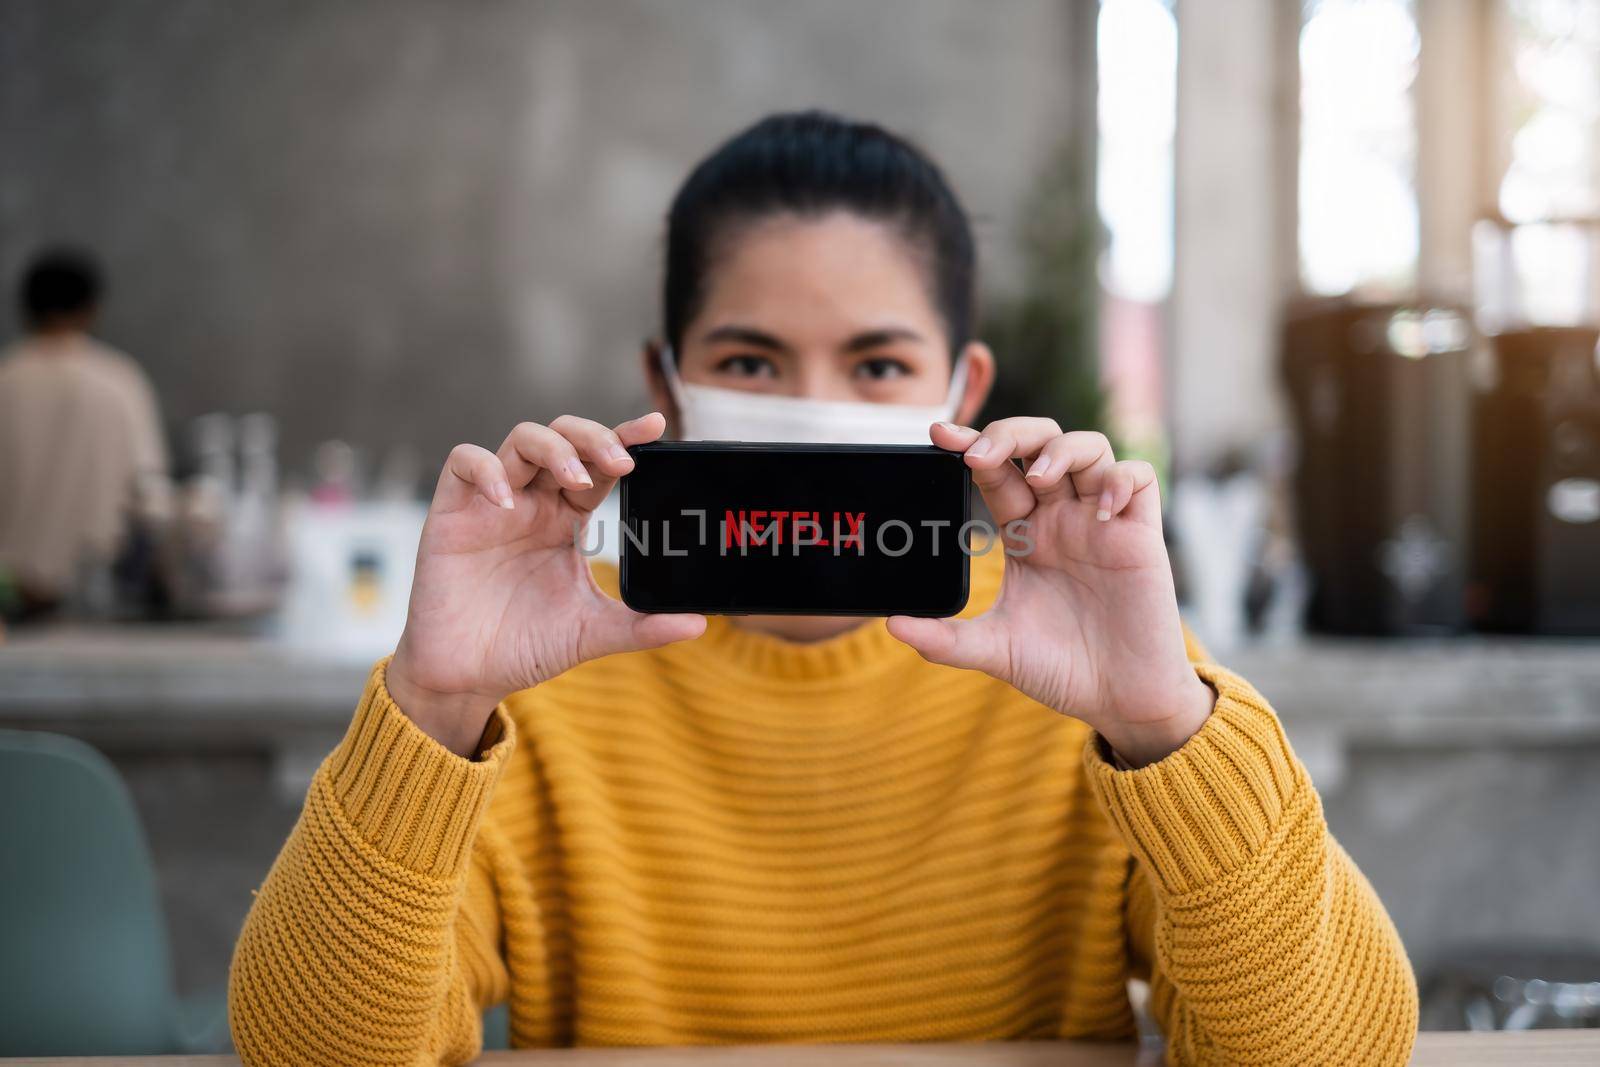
{"points": [[747, 366], [882, 368]]}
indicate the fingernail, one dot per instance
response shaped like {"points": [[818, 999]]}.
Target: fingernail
{"points": [[980, 447], [502, 496], [1039, 467], [579, 475], [950, 426], [1104, 514], [616, 453]]}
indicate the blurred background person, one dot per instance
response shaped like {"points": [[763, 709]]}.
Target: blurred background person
{"points": [[80, 430]]}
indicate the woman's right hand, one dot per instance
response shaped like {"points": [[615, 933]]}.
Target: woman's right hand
{"points": [[503, 599]]}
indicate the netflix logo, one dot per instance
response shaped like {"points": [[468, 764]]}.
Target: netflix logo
{"points": [[796, 528]]}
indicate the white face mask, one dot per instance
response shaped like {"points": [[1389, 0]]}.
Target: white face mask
{"points": [[710, 413]]}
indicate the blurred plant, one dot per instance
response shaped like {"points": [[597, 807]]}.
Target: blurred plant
{"points": [[1046, 337]]}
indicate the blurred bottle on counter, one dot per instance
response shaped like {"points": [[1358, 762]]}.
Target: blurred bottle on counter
{"points": [[255, 567], [335, 474], [225, 546]]}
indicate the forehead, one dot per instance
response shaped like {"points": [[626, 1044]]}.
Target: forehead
{"points": [[813, 276]]}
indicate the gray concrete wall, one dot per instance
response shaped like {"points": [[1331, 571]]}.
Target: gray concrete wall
{"points": [[407, 220]]}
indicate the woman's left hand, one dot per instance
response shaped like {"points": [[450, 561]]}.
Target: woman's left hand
{"points": [[1087, 617]]}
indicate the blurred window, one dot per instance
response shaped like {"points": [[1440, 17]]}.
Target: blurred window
{"points": [[1358, 196], [1137, 60], [1555, 142], [1138, 64]]}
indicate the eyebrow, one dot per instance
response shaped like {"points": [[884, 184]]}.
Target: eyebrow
{"points": [[746, 335], [859, 343]]}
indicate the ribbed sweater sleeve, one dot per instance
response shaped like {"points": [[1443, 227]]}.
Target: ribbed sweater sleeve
{"points": [[1269, 945], [362, 945]]}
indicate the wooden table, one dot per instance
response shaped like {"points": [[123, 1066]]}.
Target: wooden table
{"points": [[1541, 1048]]}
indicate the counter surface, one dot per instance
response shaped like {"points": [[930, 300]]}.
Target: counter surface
{"points": [[1549, 1048]]}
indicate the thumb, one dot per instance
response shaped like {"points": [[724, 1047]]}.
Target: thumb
{"points": [[618, 628], [973, 644], [653, 631]]}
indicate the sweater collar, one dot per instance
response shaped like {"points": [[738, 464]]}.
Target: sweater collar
{"points": [[867, 647]]}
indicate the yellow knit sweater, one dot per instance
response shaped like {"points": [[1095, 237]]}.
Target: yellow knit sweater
{"points": [[738, 839]]}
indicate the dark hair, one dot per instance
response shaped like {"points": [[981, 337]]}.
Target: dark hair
{"points": [[59, 282], [810, 163]]}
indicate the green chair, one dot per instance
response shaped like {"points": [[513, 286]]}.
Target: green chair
{"points": [[84, 967]]}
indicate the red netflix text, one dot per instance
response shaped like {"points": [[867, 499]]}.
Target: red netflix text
{"points": [[798, 528]]}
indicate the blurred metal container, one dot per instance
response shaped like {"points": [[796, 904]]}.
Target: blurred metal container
{"points": [[1379, 395], [1535, 564]]}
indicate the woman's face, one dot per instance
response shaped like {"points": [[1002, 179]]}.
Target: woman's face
{"points": [[834, 307]]}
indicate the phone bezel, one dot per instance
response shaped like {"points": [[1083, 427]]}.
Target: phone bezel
{"points": [[793, 448]]}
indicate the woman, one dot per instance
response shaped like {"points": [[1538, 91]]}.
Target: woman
{"points": [[672, 830]]}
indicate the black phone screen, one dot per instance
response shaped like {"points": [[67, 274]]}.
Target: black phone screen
{"points": [[735, 528]]}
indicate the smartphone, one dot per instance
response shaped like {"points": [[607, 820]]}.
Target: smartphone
{"points": [[736, 528]]}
